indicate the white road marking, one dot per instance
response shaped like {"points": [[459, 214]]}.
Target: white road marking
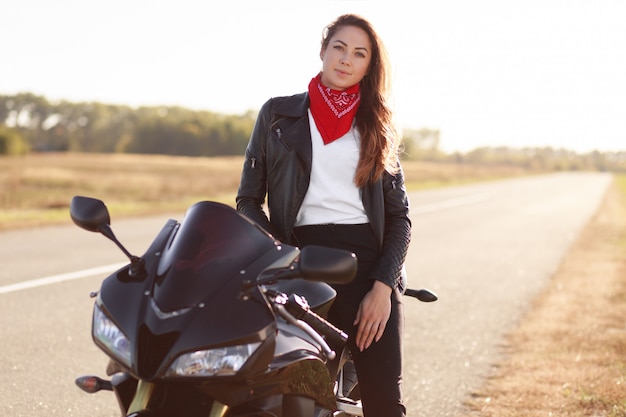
{"points": [[40, 282]]}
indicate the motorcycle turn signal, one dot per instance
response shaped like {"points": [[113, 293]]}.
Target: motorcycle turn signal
{"points": [[92, 384]]}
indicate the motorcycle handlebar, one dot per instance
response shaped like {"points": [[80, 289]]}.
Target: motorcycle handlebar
{"points": [[424, 295], [300, 309], [334, 336]]}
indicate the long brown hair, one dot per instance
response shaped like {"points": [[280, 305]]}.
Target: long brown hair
{"points": [[374, 119]]}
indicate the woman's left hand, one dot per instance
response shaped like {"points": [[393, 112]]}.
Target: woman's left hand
{"points": [[373, 314]]}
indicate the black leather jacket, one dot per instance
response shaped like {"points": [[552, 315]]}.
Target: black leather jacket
{"points": [[278, 164]]}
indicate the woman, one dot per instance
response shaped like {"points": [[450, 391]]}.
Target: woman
{"points": [[327, 161]]}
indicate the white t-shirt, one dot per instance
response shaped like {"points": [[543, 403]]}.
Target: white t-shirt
{"points": [[333, 197]]}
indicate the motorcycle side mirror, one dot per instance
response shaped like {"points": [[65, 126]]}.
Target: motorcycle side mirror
{"points": [[333, 266], [315, 263], [89, 213], [93, 215]]}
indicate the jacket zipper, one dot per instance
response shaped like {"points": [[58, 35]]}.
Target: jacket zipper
{"points": [[279, 135]]}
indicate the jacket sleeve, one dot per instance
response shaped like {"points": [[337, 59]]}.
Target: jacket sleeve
{"points": [[397, 232], [253, 183]]}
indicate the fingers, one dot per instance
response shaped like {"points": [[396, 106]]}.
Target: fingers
{"points": [[364, 336], [381, 330], [369, 329], [372, 316], [368, 333]]}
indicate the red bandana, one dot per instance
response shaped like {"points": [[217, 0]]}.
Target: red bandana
{"points": [[333, 110]]}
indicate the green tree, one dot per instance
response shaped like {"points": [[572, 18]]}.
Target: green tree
{"points": [[11, 142]]}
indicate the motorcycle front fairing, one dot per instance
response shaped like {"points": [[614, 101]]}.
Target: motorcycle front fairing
{"points": [[190, 301], [190, 298]]}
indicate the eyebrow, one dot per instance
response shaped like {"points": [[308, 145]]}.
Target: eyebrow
{"points": [[345, 44]]}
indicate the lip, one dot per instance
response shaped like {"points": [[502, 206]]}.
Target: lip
{"points": [[342, 73]]}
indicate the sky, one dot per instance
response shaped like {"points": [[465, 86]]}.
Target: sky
{"points": [[517, 73]]}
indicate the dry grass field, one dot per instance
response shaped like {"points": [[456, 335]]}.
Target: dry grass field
{"points": [[37, 188]]}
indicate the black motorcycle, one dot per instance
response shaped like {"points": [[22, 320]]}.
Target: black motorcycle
{"points": [[220, 319]]}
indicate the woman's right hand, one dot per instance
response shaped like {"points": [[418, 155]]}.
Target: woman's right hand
{"points": [[372, 315]]}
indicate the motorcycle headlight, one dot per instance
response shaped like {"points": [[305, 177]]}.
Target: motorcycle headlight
{"points": [[222, 361], [110, 336]]}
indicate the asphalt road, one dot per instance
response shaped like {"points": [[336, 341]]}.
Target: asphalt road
{"points": [[485, 249]]}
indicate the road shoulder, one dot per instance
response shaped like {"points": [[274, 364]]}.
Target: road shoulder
{"points": [[568, 355]]}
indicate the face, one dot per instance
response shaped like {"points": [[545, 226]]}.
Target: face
{"points": [[346, 59]]}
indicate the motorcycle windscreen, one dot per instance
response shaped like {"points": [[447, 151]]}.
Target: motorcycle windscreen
{"points": [[212, 247]]}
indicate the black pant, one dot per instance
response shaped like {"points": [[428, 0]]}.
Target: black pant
{"points": [[379, 367]]}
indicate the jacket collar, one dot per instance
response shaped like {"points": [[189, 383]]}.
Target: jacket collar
{"points": [[297, 131], [294, 106]]}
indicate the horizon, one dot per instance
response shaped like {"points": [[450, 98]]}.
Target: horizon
{"points": [[520, 74]]}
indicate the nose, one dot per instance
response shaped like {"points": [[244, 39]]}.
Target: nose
{"points": [[344, 60]]}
